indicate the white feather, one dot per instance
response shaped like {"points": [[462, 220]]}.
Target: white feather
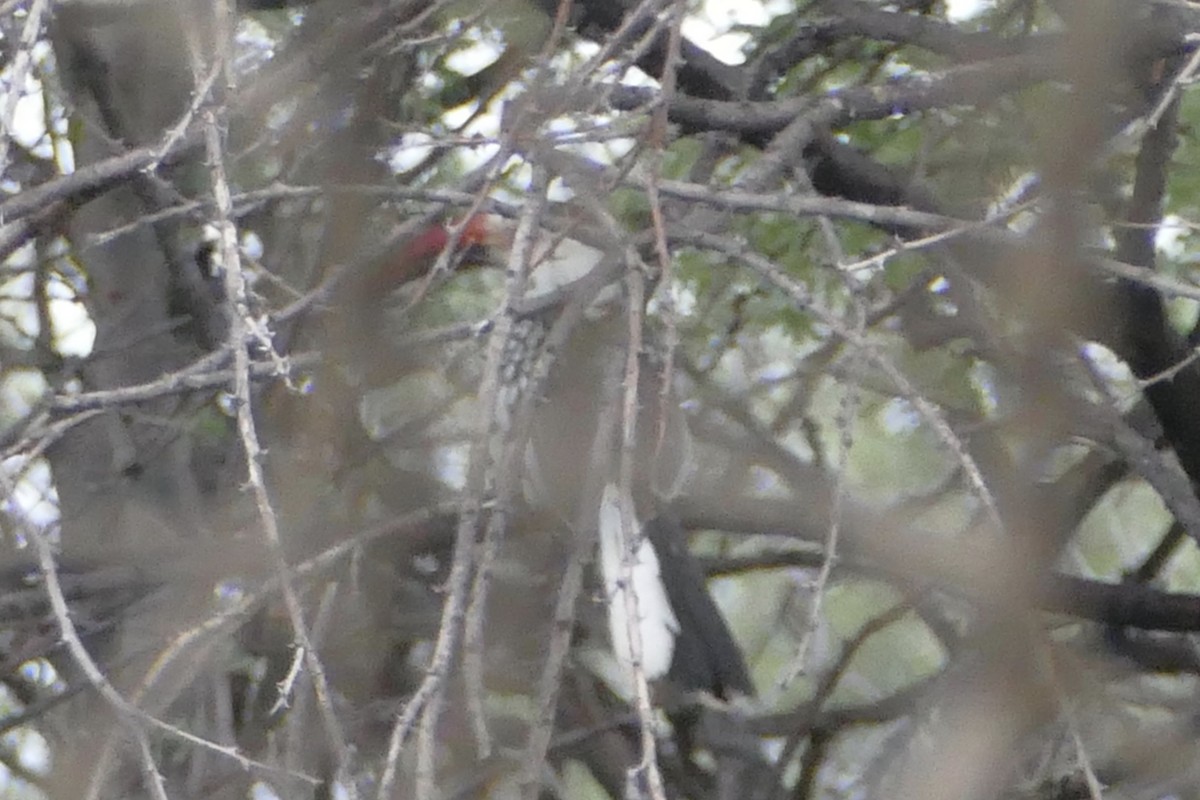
{"points": [[658, 625], [558, 262]]}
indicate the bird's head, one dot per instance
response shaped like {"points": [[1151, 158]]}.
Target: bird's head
{"points": [[478, 236], [481, 239], [555, 261]]}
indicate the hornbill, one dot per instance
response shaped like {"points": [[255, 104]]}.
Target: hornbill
{"points": [[684, 637]]}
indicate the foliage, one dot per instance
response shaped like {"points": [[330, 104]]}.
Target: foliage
{"points": [[922, 283]]}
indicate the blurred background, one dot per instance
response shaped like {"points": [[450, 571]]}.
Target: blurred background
{"points": [[295, 294]]}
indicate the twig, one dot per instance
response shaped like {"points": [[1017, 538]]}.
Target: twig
{"points": [[506, 473], [425, 706], [845, 425], [241, 328], [200, 97], [630, 544], [128, 714], [124, 706], [234, 614], [297, 740], [803, 301], [584, 529], [21, 62]]}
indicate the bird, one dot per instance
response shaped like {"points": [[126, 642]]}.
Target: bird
{"points": [[567, 420], [417, 254], [683, 635]]}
